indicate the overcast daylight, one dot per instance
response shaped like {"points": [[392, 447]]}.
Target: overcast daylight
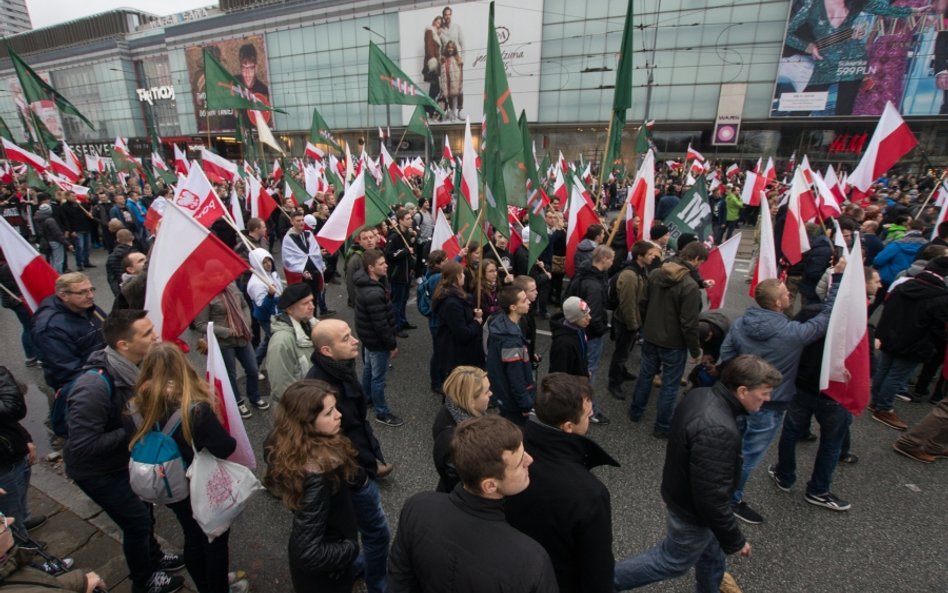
{"points": [[44, 13]]}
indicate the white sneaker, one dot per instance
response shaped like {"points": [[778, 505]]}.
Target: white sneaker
{"points": [[261, 376], [241, 586]]}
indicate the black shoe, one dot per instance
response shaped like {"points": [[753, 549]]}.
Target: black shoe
{"points": [[660, 434], [402, 334], [849, 458], [171, 562], [389, 420], [634, 418], [599, 418], [34, 521], [161, 583], [807, 438], [828, 501], [409, 326], [616, 392], [91, 266], [772, 472], [746, 514], [627, 376]]}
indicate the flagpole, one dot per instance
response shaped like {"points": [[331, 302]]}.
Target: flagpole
{"points": [[480, 260], [477, 221], [400, 140], [618, 221], [11, 294], [941, 181], [602, 166], [500, 261]]}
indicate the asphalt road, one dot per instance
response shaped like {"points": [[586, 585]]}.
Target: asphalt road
{"points": [[891, 541]]}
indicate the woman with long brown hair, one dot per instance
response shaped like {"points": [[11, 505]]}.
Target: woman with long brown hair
{"points": [[168, 383], [458, 337], [311, 466]]}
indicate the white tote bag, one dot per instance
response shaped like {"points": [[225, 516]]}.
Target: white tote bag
{"points": [[219, 491]]}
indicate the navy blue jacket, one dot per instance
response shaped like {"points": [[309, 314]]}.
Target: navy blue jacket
{"points": [[65, 339], [508, 365]]}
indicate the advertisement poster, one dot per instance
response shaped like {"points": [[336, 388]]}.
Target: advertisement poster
{"points": [[246, 59], [444, 50], [44, 111], [727, 124], [848, 58]]}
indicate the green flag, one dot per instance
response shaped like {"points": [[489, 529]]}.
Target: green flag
{"points": [[224, 91], [396, 192], [299, 192], [465, 223], [621, 99], [539, 236], [503, 162], [427, 186], [388, 85], [376, 210], [643, 139], [33, 180], [122, 162], [319, 132], [35, 88], [5, 131], [418, 124], [691, 215]]}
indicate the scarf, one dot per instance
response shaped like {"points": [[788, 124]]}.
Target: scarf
{"points": [[235, 317], [122, 369], [343, 370], [459, 414], [303, 339]]}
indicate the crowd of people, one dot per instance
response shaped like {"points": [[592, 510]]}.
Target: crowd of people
{"points": [[510, 442]]}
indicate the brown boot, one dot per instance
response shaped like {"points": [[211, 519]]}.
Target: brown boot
{"points": [[729, 585], [890, 419], [916, 454], [384, 469]]}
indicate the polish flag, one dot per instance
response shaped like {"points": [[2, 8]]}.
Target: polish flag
{"points": [[311, 180], [262, 203], [444, 238], [641, 201], [469, 169], [64, 168], [767, 257], [227, 402], [828, 206], [833, 182], [180, 161], [674, 165], [794, 241], [845, 372], [562, 161], [718, 267], [694, 155], [446, 151], [389, 164], [587, 174], [158, 163], [35, 278], [346, 219], [197, 197], [770, 171], [154, 213], [807, 170], [313, 152], [559, 188], [187, 268], [6, 173], [218, 169], [277, 170], [890, 142], [81, 191], [443, 187], [21, 155], [943, 212], [581, 215], [753, 190], [70, 157], [732, 171], [697, 168]]}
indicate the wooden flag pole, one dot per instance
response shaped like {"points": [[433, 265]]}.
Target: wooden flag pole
{"points": [[11, 294], [480, 258], [400, 140], [931, 194], [604, 164], [500, 261], [477, 221], [618, 221]]}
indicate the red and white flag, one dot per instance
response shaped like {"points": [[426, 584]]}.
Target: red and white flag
{"points": [[732, 171], [227, 402], [580, 216], [6, 173], [767, 257], [694, 155], [67, 169], [197, 197], [187, 268], [446, 151], [347, 218], [34, 276], [943, 212], [891, 141], [313, 152], [443, 187], [218, 169], [469, 188], [559, 188], [641, 201], [833, 182], [158, 163], [81, 191], [236, 212], [181, 164], [826, 201], [70, 157], [770, 171], [807, 170], [753, 190], [277, 170], [718, 267], [21, 155], [795, 241], [262, 203], [444, 238], [587, 174], [844, 375]]}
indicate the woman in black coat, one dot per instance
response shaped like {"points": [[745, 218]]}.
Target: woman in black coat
{"points": [[468, 393], [458, 340]]}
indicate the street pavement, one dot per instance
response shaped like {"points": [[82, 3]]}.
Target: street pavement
{"points": [[891, 541]]}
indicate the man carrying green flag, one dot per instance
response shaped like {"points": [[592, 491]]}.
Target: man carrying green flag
{"points": [[691, 215], [388, 85]]}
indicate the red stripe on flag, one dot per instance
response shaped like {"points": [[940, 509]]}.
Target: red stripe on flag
{"points": [[39, 279], [854, 394]]}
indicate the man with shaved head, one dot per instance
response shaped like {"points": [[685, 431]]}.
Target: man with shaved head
{"points": [[334, 361]]}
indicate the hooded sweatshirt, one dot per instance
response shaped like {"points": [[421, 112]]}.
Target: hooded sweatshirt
{"points": [[672, 301], [264, 304], [898, 255], [914, 317]]}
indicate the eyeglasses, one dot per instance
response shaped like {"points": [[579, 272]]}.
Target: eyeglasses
{"points": [[81, 292]]}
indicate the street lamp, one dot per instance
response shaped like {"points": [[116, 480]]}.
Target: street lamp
{"points": [[388, 108]]}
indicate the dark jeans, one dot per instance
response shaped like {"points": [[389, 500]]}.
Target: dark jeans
{"points": [[891, 373], [16, 482], [207, 562], [26, 335], [261, 351], [834, 421], [248, 360], [83, 245], [375, 534], [671, 361], [434, 373], [399, 302], [929, 371], [625, 340], [113, 493]]}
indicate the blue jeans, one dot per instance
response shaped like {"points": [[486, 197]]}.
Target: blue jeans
{"points": [[261, 351], [399, 302], [834, 421], [373, 529], [83, 244], [672, 363], [57, 257], [16, 481], [26, 334], [760, 429], [374, 373], [593, 356], [685, 545], [113, 493], [248, 360], [891, 372]]}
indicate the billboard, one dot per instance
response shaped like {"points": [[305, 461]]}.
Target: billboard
{"points": [[45, 111], [848, 58], [246, 59], [444, 50]]}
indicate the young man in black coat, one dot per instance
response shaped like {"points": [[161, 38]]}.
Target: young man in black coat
{"points": [[568, 351], [376, 327], [460, 542], [334, 362], [579, 541], [702, 468]]}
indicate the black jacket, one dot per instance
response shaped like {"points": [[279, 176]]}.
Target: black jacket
{"points": [[400, 260], [351, 403], [65, 339], [458, 339], [77, 221], [374, 317], [914, 317], [113, 266], [99, 429], [703, 462], [442, 431], [13, 437], [579, 539], [461, 543], [592, 286], [815, 262], [324, 540], [568, 351]]}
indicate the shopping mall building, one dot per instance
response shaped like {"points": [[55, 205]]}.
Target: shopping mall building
{"points": [[736, 78]]}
